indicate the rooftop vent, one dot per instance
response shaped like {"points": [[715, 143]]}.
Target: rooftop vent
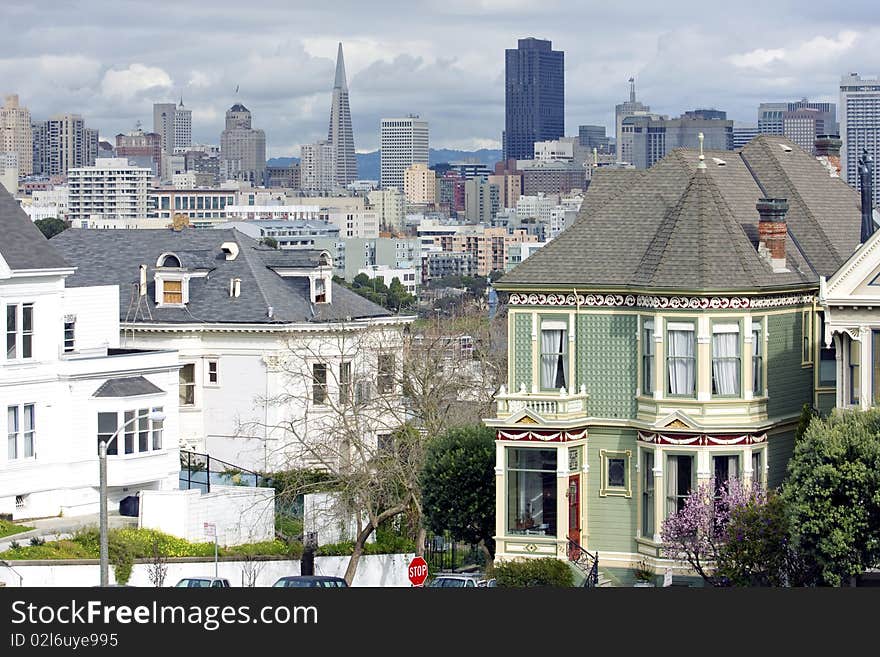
{"points": [[230, 249], [785, 147], [234, 287], [719, 161]]}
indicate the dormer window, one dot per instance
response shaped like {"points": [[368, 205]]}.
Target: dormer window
{"points": [[171, 281], [168, 260], [172, 292], [320, 290]]}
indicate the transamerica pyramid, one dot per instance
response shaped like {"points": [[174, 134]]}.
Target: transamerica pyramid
{"points": [[340, 134]]}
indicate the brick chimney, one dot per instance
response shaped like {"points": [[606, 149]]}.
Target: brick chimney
{"points": [[827, 149], [772, 231]]}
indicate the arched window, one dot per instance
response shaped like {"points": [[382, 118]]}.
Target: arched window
{"points": [[168, 260]]}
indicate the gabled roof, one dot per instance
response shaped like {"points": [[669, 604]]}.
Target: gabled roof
{"points": [[22, 245], [113, 257], [670, 227]]}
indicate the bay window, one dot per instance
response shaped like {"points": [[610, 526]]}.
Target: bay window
{"points": [[725, 468], [554, 355], [855, 384], [531, 491], [647, 356], [679, 481], [137, 432], [757, 358], [725, 360], [680, 358], [758, 466], [648, 494]]}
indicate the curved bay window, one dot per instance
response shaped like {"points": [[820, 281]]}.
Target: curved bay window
{"points": [[725, 360], [531, 491], [680, 358]]}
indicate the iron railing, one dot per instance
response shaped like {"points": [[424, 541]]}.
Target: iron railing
{"points": [[586, 562], [443, 554], [196, 470]]}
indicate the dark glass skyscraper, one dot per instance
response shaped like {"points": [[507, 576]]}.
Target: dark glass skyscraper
{"points": [[534, 96]]}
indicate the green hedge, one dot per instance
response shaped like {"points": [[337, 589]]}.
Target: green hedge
{"points": [[534, 572]]}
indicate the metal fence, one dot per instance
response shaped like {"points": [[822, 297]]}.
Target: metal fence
{"points": [[444, 554], [199, 471]]}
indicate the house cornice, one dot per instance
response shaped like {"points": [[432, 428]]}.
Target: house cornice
{"points": [[293, 327]]}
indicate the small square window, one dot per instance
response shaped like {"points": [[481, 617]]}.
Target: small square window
{"points": [[615, 473], [214, 372]]}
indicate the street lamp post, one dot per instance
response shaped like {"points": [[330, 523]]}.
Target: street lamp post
{"points": [[104, 552]]}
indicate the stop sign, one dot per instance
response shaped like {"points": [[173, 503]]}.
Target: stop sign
{"points": [[418, 571]]}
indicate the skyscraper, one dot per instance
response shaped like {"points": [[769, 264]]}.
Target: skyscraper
{"points": [[860, 127], [163, 125], [340, 134], [534, 96], [632, 107], [182, 126], [801, 121], [242, 148], [63, 142], [16, 134], [402, 143]]}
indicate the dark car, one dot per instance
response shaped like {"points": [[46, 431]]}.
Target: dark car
{"points": [[321, 581]]}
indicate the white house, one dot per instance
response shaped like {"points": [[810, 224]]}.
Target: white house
{"points": [[271, 349], [65, 384]]}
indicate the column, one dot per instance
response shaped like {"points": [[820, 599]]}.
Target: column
{"points": [[865, 368], [573, 383], [562, 499], [748, 475], [659, 358], [748, 351], [839, 343], [704, 359], [703, 461], [659, 493], [500, 495], [536, 354]]}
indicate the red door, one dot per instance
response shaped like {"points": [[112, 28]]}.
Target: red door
{"points": [[574, 509]]}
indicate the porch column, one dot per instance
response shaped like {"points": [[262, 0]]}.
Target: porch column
{"points": [[840, 382], [659, 493], [704, 466], [865, 368], [659, 358], [562, 499], [748, 475], [748, 352]]}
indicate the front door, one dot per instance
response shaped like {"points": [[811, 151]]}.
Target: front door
{"points": [[574, 508]]}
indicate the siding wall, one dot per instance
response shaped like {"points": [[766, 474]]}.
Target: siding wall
{"points": [[607, 362], [789, 384], [522, 352], [611, 521], [780, 447]]}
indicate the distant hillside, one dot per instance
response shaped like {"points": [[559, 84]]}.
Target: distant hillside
{"points": [[368, 163]]}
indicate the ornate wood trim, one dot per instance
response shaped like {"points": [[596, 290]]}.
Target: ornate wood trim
{"points": [[541, 436], [646, 302], [701, 439]]}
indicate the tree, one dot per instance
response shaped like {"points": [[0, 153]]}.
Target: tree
{"points": [[157, 570], [51, 226], [833, 495], [697, 533], [398, 297], [458, 486], [271, 242]]}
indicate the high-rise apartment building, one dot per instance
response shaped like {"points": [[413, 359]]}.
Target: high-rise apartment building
{"points": [[390, 207], [317, 166], [632, 107], [534, 99], [62, 143], [402, 142], [801, 121], [340, 135], [110, 191], [16, 134], [860, 127], [419, 184], [242, 148], [482, 200]]}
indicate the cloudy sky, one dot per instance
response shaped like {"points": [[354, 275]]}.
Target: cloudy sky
{"points": [[109, 60]]}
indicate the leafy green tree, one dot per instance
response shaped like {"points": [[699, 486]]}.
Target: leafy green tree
{"points": [[398, 297], [51, 226], [361, 280], [458, 486], [833, 495]]}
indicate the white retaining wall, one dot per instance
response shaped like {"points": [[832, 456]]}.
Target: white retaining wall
{"points": [[373, 570], [241, 514]]}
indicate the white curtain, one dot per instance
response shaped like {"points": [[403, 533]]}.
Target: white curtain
{"points": [[681, 362], [671, 475], [550, 342], [725, 363], [563, 360]]}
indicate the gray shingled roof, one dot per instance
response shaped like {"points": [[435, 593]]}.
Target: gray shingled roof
{"points": [[127, 386], [113, 257], [22, 245], [674, 227]]}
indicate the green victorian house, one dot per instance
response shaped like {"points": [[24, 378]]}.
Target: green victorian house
{"points": [[671, 334]]}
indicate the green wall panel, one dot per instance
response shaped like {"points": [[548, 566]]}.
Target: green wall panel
{"points": [[789, 385], [607, 362], [612, 520], [780, 447], [522, 352]]}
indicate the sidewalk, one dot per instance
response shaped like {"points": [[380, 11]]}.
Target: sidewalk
{"points": [[52, 528]]}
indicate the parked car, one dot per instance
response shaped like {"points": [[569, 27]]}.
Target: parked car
{"points": [[203, 582], [324, 581], [457, 580]]}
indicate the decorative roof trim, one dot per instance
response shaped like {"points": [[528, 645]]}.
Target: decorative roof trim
{"points": [[702, 439], [541, 436], [652, 302]]}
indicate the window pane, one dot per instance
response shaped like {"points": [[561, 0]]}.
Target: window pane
{"points": [[725, 363], [68, 336], [680, 362], [186, 378], [757, 359], [172, 291], [554, 363], [128, 423], [319, 383], [648, 357], [616, 473], [11, 331], [679, 479], [344, 382], [213, 371], [12, 432], [158, 426], [531, 459], [385, 378], [29, 430], [27, 330], [531, 503], [648, 494], [107, 425], [143, 430], [855, 382]]}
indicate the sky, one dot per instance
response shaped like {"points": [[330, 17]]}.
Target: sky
{"points": [[110, 60]]}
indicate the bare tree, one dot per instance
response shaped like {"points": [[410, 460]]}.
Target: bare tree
{"points": [[360, 402], [251, 567], [157, 569]]}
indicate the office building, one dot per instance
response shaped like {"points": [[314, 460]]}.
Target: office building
{"points": [[743, 133], [63, 142], [16, 134], [287, 177], [801, 121], [593, 136], [182, 127], [419, 185], [242, 148], [340, 135], [141, 146], [173, 124], [652, 138], [534, 98], [860, 127], [111, 190], [632, 107], [402, 142], [551, 177]]}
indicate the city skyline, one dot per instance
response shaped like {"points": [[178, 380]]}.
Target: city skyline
{"points": [[454, 77]]}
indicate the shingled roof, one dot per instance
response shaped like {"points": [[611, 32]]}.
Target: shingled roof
{"points": [[675, 226], [113, 257], [22, 245]]}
